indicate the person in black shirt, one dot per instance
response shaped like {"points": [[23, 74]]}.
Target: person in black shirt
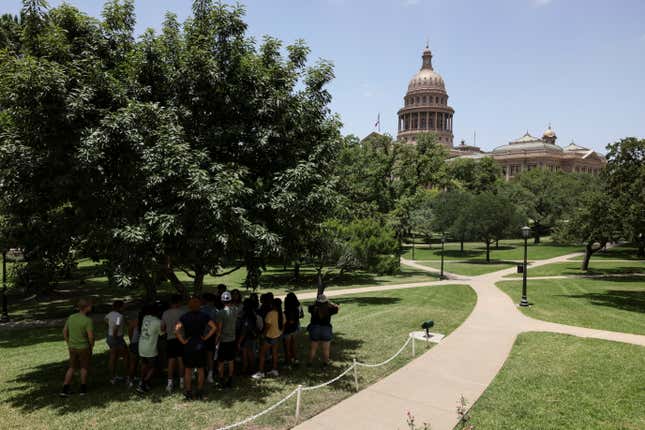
{"points": [[292, 314], [320, 329], [193, 330]]}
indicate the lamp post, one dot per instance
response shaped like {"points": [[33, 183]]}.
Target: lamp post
{"points": [[443, 241], [526, 232], [5, 313]]}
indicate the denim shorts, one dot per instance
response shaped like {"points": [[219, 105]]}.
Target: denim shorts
{"points": [[320, 333], [116, 342], [251, 344], [272, 341]]}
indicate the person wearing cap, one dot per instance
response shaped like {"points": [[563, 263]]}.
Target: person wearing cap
{"points": [[226, 319], [193, 330], [320, 328]]}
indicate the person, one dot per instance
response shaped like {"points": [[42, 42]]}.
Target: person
{"points": [[79, 337], [148, 346], [320, 328], [225, 320], [292, 313], [210, 307], [134, 326], [236, 298], [193, 330], [174, 348], [116, 322], [273, 327], [250, 328], [218, 296], [266, 304]]}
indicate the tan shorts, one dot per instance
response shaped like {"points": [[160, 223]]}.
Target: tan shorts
{"points": [[79, 358]]}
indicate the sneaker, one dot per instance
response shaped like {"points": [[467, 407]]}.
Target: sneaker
{"points": [[119, 378], [130, 384], [210, 379], [258, 375], [65, 392], [181, 383], [200, 395], [169, 388], [141, 389], [229, 383], [274, 373], [83, 391], [114, 381], [188, 396]]}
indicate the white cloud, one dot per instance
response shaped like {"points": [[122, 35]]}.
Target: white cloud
{"points": [[540, 3]]}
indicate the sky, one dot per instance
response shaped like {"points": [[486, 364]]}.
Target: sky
{"points": [[509, 65]]}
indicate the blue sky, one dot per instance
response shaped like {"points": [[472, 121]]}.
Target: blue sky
{"points": [[509, 65]]}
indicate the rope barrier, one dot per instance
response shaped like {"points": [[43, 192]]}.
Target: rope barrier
{"points": [[298, 391]]}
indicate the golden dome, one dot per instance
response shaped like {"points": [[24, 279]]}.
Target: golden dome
{"points": [[549, 133]]}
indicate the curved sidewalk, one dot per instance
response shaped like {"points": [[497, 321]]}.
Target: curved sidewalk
{"points": [[464, 363]]}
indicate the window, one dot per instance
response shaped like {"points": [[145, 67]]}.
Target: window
{"points": [[436, 100], [424, 99]]}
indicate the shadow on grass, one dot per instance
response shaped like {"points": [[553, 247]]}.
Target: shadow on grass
{"points": [[628, 300], [38, 386], [592, 271]]}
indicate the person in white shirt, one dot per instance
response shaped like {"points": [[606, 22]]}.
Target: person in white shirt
{"points": [[174, 348], [116, 323]]}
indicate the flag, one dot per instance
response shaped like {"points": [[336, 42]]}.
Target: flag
{"points": [[377, 124]]}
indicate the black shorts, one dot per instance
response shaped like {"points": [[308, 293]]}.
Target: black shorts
{"points": [[149, 361], [194, 358], [226, 351], [174, 348], [210, 344]]}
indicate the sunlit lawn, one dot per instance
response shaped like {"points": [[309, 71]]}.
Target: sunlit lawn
{"points": [[616, 304], [555, 382], [370, 327], [622, 252], [472, 268], [595, 268], [512, 249]]}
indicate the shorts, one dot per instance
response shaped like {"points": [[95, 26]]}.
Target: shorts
{"points": [[134, 348], [115, 342], [149, 361], [320, 333], [251, 344], [272, 341], [291, 330], [226, 351], [194, 358], [79, 358], [174, 348], [210, 344]]}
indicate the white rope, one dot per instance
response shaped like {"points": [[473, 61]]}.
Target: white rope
{"points": [[258, 415], [331, 381], [389, 359]]}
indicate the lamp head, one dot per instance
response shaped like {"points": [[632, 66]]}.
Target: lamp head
{"points": [[526, 232]]}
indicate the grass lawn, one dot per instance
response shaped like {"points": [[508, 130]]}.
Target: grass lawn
{"points": [[616, 304], [595, 268], [621, 252], [369, 327], [555, 381], [90, 281], [512, 249], [472, 268]]}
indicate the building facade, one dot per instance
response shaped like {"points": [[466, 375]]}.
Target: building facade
{"points": [[425, 106]]}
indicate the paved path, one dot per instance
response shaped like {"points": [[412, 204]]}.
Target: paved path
{"points": [[464, 363]]}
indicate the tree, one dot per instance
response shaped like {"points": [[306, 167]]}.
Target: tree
{"points": [[474, 175], [592, 222], [492, 217], [625, 176], [451, 215]]}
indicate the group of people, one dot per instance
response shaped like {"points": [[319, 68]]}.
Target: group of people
{"points": [[207, 334]]}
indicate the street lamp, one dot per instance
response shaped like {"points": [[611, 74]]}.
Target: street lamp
{"points": [[5, 313], [443, 242], [526, 232]]}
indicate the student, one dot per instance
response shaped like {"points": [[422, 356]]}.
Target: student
{"points": [[320, 329], [79, 337], [225, 320], [115, 321], [210, 307], [266, 304], [236, 298], [218, 296], [273, 326], [174, 348], [190, 331], [250, 328], [148, 346], [292, 314], [134, 326]]}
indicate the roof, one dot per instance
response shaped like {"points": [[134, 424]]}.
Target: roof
{"points": [[573, 147], [531, 145]]}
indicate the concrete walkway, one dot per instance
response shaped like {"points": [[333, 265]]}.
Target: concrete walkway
{"points": [[464, 363]]}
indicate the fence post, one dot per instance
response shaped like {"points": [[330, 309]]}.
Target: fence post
{"points": [[413, 346], [356, 375], [298, 397]]}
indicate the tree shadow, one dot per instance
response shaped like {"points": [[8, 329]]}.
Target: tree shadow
{"points": [[628, 300], [22, 337], [593, 271]]}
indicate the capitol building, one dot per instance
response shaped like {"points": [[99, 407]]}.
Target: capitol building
{"points": [[426, 110]]}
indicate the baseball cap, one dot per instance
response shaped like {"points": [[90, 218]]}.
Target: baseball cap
{"points": [[321, 298], [226, 296]]}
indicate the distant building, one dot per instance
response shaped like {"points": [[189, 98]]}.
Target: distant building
{"points": [[426, 110]]}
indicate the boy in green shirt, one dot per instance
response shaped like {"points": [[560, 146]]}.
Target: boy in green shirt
{"points": [[79, 336]]}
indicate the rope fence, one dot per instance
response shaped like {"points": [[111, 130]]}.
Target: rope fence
{"points": [[300, 389]]}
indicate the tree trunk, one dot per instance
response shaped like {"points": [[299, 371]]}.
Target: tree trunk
{"points": [[462, 245], [641, 246], [198, 282], [319, 281], [175, 282], [589, 251], [296, 270], [536, 232], [496, 243], [488, 251]]}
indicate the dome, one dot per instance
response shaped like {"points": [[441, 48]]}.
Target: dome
{"points": [[427, 79], [549, 133]]}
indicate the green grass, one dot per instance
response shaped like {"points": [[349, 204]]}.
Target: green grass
{"points": [[90, 281], [595, 268], [370, 327], [555, 381], [616, 304], [512, 249], [472, 268], [621, 252]]}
